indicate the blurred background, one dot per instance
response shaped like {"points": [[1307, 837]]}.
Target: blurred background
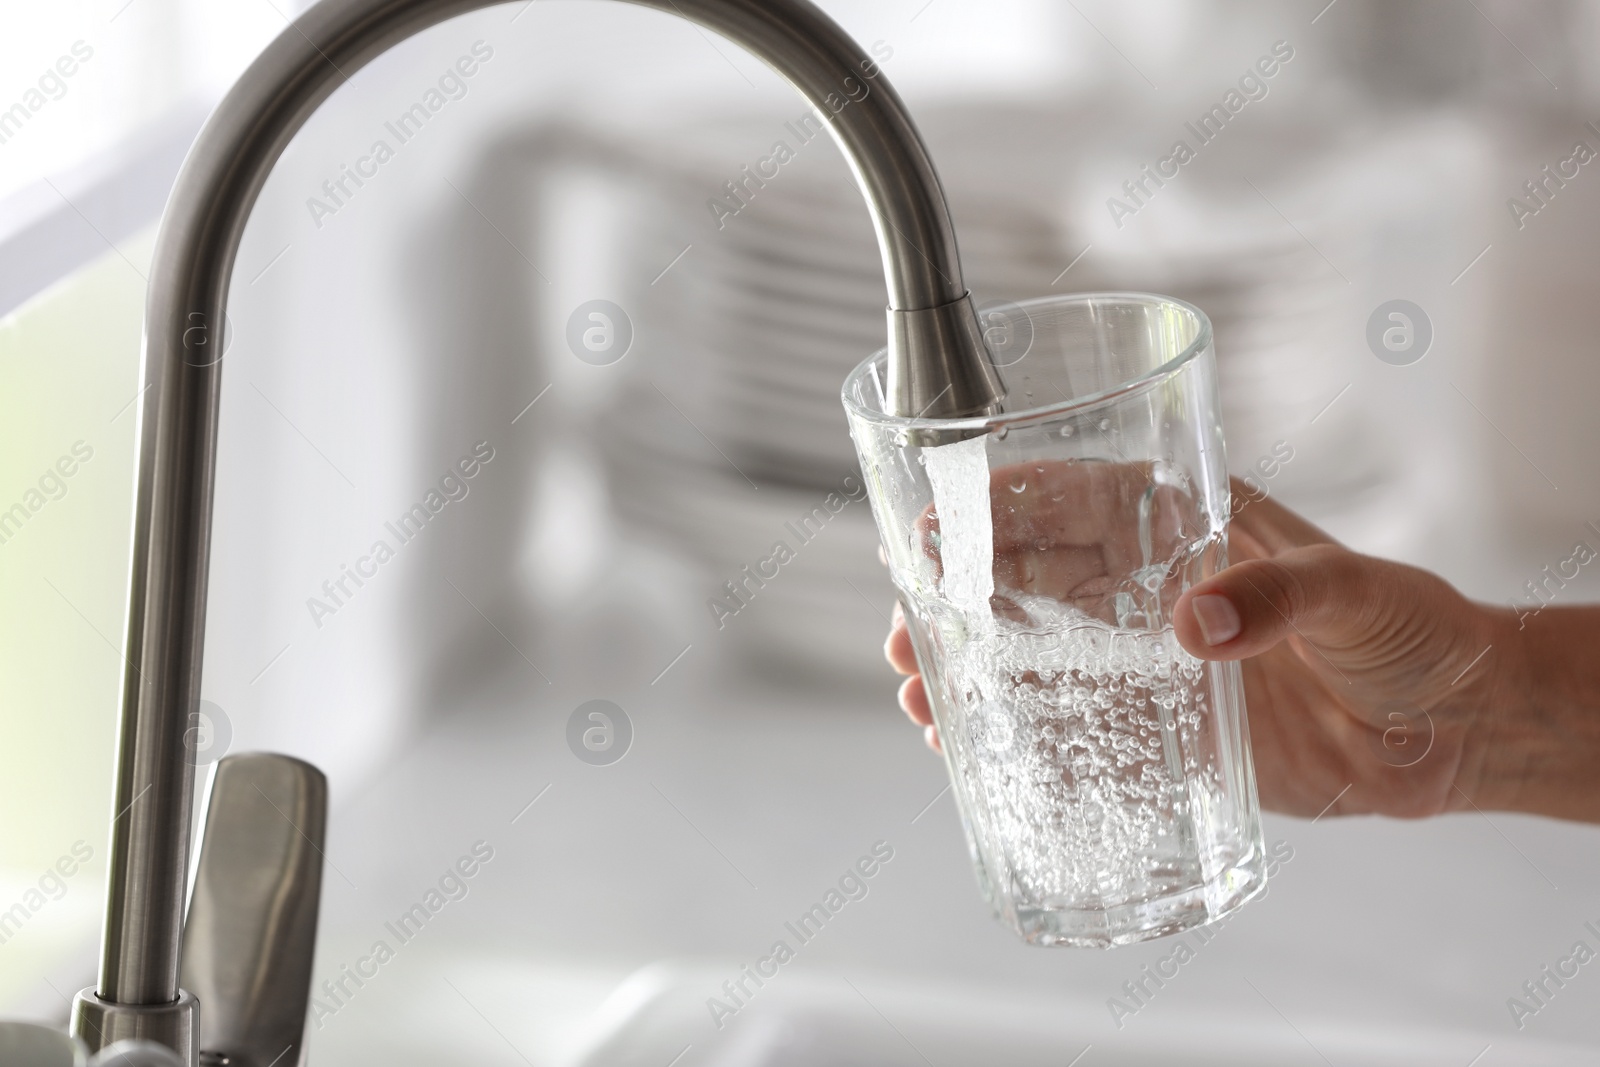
{"points": [[383, 329]]}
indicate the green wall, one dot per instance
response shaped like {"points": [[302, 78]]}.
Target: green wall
{"points": [[68, 369]]}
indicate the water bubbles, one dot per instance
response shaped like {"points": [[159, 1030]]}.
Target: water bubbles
{"points": [[1105, 425], [1067, 431], [1081, 747], [1017, 483]]}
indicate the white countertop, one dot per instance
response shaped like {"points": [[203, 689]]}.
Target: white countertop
{"points": [[739, 803]]}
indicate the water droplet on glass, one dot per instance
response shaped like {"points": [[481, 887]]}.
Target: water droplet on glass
{"points": [[1018, 483], [1105, 424]]}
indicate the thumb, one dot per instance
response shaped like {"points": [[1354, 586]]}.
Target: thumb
{"points": [[1325, 594]]}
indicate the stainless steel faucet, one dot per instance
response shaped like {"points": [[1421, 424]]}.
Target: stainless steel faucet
{"points": [[247, 953]]}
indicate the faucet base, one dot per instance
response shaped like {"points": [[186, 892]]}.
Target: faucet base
{"points": [[101, 1022]]}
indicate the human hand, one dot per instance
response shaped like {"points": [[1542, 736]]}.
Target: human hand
{"points": [[1365, 680]]}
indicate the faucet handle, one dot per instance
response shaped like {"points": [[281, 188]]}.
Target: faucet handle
{"points": [[252, 924]]}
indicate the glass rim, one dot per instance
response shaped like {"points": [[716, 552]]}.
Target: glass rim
{"points": [[983, 423]]}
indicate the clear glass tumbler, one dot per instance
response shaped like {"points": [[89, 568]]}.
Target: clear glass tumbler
{"points": [[1102, 773]]}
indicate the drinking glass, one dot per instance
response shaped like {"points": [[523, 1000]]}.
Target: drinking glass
{"points": [[1102, 773]]}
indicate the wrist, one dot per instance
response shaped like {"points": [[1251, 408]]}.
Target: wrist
{"points": [[1538, 727], [1493, 775]]}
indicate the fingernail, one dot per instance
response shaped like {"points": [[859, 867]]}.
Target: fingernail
{"points": [[1218, 619], [900, 694]]}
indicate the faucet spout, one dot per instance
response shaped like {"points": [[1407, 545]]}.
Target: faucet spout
{"points": [[939, 367]]}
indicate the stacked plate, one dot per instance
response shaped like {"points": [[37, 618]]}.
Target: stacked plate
{"points": [[728, 428], [729, 437]]}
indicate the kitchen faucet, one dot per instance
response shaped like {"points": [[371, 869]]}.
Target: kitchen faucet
{"points": [[244, 959]]}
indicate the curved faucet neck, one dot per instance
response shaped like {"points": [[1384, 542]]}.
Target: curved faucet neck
{"points": [[938, 368]]}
